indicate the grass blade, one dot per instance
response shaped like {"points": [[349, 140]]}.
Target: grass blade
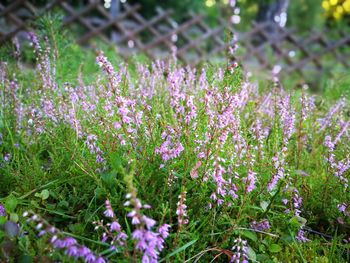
{"points": [[180, 249]]}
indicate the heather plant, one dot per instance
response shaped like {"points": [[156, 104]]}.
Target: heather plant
{"points": [[160, 162]]}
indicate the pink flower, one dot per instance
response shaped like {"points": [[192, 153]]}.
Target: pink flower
{"points": [[109, 211]]}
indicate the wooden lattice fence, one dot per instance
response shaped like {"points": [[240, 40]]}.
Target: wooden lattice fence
{"points": [[313, 54], [192, 41]]}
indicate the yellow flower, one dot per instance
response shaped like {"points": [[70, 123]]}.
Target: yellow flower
{"points": [[333, 2], [210, 3], [340, 9], [325, 5], [337, 15], [346, 6]]}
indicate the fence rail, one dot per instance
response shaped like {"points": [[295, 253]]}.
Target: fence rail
{"points": [[192, 41]]}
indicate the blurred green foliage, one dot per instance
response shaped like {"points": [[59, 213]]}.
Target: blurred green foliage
{"points": [[299, 11]]}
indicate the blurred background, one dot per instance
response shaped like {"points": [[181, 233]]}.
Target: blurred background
{"points": [[304, 40]]}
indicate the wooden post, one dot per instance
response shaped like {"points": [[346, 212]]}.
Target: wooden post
{"points": [[114, 11]]}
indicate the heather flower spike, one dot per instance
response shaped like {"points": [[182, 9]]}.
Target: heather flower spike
{"points": [[240, 251], [149, 239], [181, 210]]}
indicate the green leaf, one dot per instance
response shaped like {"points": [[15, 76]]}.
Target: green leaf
{"points": [[14, 217], [249, 234], [10, 203], [34, 203], [180, 249], [109, 179], [251, 254], [99, 192], [275, 248], [295, 222], [45, 194], [3, 220], [273, 192], [301, 220], [264, 205], [262, 248], [63, 204], [262, 258], [76, 228], [287, 238], [25, 259]]}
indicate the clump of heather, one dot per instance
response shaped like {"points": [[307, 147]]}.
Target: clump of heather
{"points": [[148, 240], [338, 167], [112, 232], [58, 241], [221, 159], [240, 251]]}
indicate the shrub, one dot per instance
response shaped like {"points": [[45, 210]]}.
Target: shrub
{"points": [[230, 170]]}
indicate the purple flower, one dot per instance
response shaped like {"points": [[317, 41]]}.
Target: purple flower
{"points": [[57, 243], [344, 128], [41, 233], [326, 121], [109, 211], [68, 241], [7, 157], [135, 220], [149, 222], [115, 226], [91, 143], [72, 251], [171, 147], [2, 210], [148, 242], [278, 162], [163, 230], [287, 116], [342, 207], [90, 258], [240, 251], [100, 260], [250, 181], [113, 77], [181, 210], [261, 226], [328, 143], [84, 251], [301, 237], [338, 167], [297, 201], [34, 41]]}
